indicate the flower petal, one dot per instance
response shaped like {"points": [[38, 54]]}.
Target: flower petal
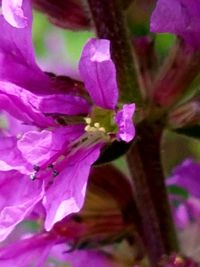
{"points": [[10, 157], [31, 251], [22, 104], [124, 120], [179, 17], [18, 196], [17, 59], [98, 73], [80, 258], [67, 194], [13, 13], [44, 147], [64, 104], [186, 175]]}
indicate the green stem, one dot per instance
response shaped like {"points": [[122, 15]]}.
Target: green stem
{"points": [[109, 21]]}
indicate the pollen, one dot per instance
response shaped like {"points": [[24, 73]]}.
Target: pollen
{"points": [[97, 124], [88, 120], [87, 128], [102, 129], [93, 127]]}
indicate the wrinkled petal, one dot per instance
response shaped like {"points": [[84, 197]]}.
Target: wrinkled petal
{"points": [[15, 127], [13, 13], [186, 175], [64, 104], [124, 120], [67, 193], [179, 17], [46, 146], [81, 258], [22, 104], [98, 73], [17, 59], [18, 196], [32, 251], [31, 108], [10, 156]]}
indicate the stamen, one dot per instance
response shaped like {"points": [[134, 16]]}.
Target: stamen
{"points": [[33, 176], [50, 166], [36, 168], [97, 124], [88, 120], [55, 173], [92, 129], [102, 129], [87, 128]]}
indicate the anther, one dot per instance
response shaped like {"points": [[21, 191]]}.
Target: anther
{"points": [[33, 176], [88, 120], [87, 128], [50, 166], [102, 129], [92, 129], [55, 173], [36, 168], [97, 124]]}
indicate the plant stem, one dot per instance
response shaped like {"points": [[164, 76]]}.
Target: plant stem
{"points": [[150, 191], [150, 227], [109, 21]]}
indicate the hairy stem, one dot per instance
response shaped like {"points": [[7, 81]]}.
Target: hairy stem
{"points": [[150, 227], [150, 190]]}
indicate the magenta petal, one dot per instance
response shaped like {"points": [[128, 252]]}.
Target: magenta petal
{"points": [[22, 104], [28, 252], [168, 16], [181, 216], [18, 196], [44, 147], [17, 59], [186, 175], [180, 17], [98, 73], [67, 194], [13, 13], [10, 156], [64, 104], [124, 120], [82, 258]]}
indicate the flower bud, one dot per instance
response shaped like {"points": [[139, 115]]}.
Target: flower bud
{"points": [[185, 115]]}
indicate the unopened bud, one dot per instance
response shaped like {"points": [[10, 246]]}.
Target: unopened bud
{"points": [[185, 115]]}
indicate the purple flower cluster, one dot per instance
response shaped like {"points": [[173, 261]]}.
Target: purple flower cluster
{"points": [[53, 130], [45, 163]]}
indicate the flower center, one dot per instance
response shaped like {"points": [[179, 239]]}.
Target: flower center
{"points": [[93, 127], [101, 120]]}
